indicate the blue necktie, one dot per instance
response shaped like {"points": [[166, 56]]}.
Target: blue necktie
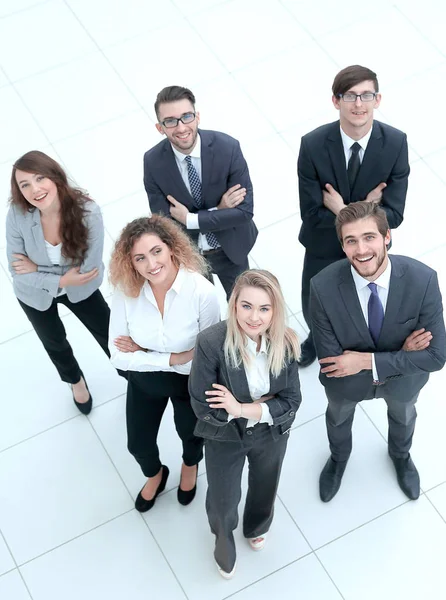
{"points": [[195, 188], [375, 312]]}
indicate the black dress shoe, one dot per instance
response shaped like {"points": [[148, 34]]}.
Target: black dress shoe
{"points": [[143, 505], [407, 475], [186, 498], [84, 407], [330, 479], [307, 354]]}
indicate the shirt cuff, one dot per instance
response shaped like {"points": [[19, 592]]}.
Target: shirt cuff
{"points": [[192, 221], [374, 371]]}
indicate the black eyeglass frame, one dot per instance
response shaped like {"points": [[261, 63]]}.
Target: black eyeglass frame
{"points": [[163, 123], [374, 94]]}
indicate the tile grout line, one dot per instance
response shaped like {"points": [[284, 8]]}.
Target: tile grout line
{"points": [[16, 568], [419, 31]]}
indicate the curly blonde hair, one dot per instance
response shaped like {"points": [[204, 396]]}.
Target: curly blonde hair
{"points": [[184, 253]]}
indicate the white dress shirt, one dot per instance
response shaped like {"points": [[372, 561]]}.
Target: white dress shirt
{"points": [[257, 375], [363, 291], [190, 306], [348, 142], [192, 218]]}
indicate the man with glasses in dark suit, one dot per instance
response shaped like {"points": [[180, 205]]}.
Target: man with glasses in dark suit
{"points": [[200, 178], [355, 158]]}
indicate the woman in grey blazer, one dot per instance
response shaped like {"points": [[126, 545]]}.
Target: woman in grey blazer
{"points": [[55, 238], [245, 391]]}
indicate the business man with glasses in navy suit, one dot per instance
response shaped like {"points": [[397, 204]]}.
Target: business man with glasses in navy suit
{"points": [[355, 158], [200, 178]]}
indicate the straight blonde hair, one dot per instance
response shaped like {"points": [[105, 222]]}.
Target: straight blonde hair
{"points": [[282, 342]]}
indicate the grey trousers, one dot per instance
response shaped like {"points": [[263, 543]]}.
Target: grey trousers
{"points": [[224, 466], [401, 415]]}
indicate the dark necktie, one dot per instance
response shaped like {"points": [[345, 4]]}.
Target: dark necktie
{"points": [[375, 312], [353, 164], [195, 188]]}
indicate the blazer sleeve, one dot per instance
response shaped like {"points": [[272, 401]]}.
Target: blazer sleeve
{"points": [[226, 218], [93, 256], [394, 195], [325, 340], [157, 200], [312, 210], [204, 372], [401, 362], [15, 244], [286, 402]]}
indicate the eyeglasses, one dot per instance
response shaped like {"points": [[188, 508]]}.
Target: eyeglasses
{"points": [[365, 97], [171, 122]]}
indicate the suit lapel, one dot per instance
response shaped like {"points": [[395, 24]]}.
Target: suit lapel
{"points": [[394, 299], [179, 189], [39, 240], [337, 157], [238, 383], [207, 159], [369, 162], [349, 295]]}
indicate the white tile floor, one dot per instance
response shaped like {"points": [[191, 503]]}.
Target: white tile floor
{"points": [[78, 79]]}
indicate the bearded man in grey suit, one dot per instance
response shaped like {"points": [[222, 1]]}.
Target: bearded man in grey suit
{"points": [[379, 331]]}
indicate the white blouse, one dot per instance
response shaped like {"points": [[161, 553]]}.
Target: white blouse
{"points": [[55, 256], [190, 306]]}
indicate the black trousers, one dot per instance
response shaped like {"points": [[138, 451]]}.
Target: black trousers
{"points": [[226, 270], [224, 467], [312, 266], [147, 397], [93, 312]]}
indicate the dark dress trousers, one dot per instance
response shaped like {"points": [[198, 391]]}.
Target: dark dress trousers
{"points": [[222, 166], [338, 324], [321, 161], [228, 445]]}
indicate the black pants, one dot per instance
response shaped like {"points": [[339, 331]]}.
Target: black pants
{"points": [[312, 266], [147, 397], [224, 467], [93, 312], [226, 270]]}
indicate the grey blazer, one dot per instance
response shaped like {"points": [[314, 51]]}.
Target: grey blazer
{"points": [[24, 235], [209, 366], [338, 324]]}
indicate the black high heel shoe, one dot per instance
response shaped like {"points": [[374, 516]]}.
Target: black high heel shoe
{"points": [[143, 505], [186, 498], [84, 407]]}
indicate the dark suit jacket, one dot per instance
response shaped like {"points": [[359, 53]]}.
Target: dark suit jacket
{"points": [[322, 160], [338, 324], [209, 366], [223, 166]]}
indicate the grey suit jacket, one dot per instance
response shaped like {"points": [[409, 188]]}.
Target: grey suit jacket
{"points": [[338, 324], [223, 166], [209, 366], [24, 235]]}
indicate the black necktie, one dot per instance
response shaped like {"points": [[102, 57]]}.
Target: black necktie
{"points": [[353, 164]]}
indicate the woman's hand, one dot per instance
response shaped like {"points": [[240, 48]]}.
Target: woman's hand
{"points": [[221, 397], [23, 264], [75, 277], [263, 399], [124, 343], [181, 358]]}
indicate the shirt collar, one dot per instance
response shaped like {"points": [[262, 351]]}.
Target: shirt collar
{"points": [[382, 281], [252, 346], [196, 152], [347, 141], [176, 285]]}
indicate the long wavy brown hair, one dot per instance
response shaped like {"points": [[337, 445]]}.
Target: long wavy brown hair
{"points": [[184, 253], [73, 231]]}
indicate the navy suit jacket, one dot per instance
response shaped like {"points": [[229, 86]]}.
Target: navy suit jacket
{"points": [[338, 324], [222, 166], [322, 160]]}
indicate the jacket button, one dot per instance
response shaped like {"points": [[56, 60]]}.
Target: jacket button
{"points": [[249, 432], [292, 413], [207, 418]]}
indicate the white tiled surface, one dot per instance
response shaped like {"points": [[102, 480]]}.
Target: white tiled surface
{"points": [[78, 80]]}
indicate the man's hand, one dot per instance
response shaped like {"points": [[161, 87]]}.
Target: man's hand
{"points": [[376, 194], [178, 211], [332, 199], [232, 198], [417, 340], [23, 264], [349, 363]]}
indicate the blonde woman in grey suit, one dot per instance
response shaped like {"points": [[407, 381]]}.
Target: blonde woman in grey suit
{"points": [[245, 391], [55, 238]]}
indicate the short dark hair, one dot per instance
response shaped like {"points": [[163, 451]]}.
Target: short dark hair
{"points": [[351, 76], [173, 93], [361, 210]]}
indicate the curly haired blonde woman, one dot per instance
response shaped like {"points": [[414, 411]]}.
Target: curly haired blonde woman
{"points": [[162, 301], [245, 391]]}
